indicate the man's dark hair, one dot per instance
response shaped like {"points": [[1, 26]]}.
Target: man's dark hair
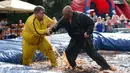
{"points": [[38, 8]]}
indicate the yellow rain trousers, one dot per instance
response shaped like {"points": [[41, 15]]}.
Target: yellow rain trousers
{"points": [[34, 39]]}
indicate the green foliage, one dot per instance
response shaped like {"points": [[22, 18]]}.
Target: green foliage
{"points": [[128, 1], [53, 7]]}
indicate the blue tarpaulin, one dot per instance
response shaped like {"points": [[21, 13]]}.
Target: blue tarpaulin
{"points": [[11, 51], [12, 68], [112, 41]]}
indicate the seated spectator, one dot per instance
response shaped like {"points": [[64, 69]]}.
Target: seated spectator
{"points": [[122, 21], [94, 17], [99, 26], [115, 20], [4, 22], [19, 27], [122, 17], [10, 32], [106, 16], [108, 25]]}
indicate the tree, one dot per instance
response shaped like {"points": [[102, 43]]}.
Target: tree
{"points": [[53, 7], [128, 1]]}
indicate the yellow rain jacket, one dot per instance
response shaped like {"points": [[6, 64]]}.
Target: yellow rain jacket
{"points": [[34, 38]]}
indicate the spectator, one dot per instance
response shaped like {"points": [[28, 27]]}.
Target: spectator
{"points": [[108, 25], [94, 17], [99, 26], [115, 20]]}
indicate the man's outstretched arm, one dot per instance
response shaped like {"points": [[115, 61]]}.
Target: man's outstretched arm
{"points": [[58, 25]]}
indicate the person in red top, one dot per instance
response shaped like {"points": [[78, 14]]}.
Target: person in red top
{"points": [[115, 20], [108, 25]]}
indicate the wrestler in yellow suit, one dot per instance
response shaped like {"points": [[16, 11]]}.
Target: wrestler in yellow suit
{"points": [[33, 35]]}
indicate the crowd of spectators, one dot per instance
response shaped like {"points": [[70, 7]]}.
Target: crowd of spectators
{"points": [[10, 30], [108, 23]]}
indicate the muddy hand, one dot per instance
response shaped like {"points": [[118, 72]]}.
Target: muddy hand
{"points": [[86, 35], [47, 32]]}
